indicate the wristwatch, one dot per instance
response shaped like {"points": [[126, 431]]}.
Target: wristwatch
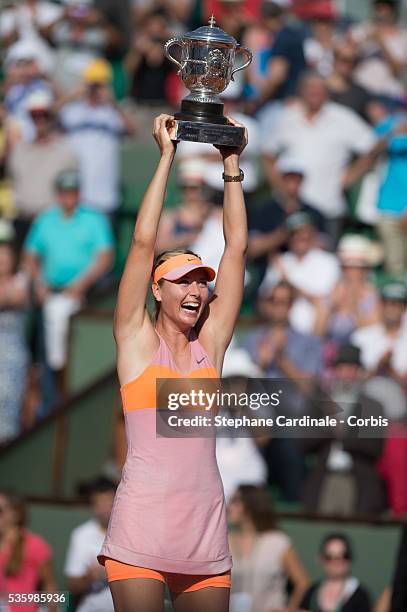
{"points": [[233, 179]]}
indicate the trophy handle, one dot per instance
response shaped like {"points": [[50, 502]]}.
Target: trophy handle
{"points": [[174, 41], [249, 56]]}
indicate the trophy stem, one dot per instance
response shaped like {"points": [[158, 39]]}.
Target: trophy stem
{"points": [[201, 112]]}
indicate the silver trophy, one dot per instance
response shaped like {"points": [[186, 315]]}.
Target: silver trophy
{"points": [[206, 64]]}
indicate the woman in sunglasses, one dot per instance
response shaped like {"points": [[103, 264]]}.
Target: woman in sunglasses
{"points": [[338, 591]]}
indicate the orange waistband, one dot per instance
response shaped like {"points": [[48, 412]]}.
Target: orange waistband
{"points": [[116, 570]]}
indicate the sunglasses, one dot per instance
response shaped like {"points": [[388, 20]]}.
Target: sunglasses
{"points": [[344, 557]]}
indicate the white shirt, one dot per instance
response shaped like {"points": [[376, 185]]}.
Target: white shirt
{"points": [[239, 460], [374, 342], [316, 273], [95, 133], [84, 546], [325, 145], [213, 169]]}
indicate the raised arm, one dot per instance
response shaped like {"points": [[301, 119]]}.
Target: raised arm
{"points": [[218, 325], [131, 314]]}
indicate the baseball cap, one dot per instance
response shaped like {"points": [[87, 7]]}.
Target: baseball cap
{"points": [[347, 353], [394, 291], [298, 220], [67, 179], [288, 164], [178, 266], [23, 50], [98, 71]]}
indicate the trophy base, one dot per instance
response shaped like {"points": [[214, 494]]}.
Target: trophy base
{"points": [[210, 133]]}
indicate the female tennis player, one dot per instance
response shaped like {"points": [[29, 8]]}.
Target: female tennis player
{"points": [[168, 523]]}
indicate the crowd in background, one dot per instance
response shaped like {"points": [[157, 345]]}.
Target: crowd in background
{"points": [[325, 104]]}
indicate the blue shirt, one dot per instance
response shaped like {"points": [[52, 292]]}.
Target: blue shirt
{"points": [[393, 189], [67, 246]]}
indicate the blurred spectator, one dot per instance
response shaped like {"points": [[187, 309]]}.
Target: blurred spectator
{"points": [[147, 66], [264, 558], [392, 204], [86, 579], [399, 595], [259, 37], [341, 83], [384, 345], [180, 227], [324, 135], [284, 353], [392, 465], [312, 271], [69, 248], [319, 47], [35, 165], [237, 453], [117, 14], [383, 50], [95, 126], [31, 21], [81, 35], [344, 479], [24, 78], [25, 557], [276, 347], [354, 302], [267, 224], [232, 17], [14, 354], [287, 61], [338, 589], [178, 11]]}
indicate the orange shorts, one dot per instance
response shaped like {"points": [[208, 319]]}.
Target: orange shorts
{"points": [[177, 583]]}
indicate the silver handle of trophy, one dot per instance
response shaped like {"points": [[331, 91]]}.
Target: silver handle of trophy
{"points": [[170, 43], [249, 55]]}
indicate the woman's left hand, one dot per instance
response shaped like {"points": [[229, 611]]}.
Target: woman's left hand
{"points": [[227, 152]]}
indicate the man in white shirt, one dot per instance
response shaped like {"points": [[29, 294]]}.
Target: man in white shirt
{"points": [[85, 577], [325, 136], [384, 345], [312, 271], [95, 126]]}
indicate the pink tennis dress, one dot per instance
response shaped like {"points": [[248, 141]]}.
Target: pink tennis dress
{"points": [[169, 510]]}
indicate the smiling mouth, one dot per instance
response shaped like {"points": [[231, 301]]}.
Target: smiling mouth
{"points": [[190, 306]]}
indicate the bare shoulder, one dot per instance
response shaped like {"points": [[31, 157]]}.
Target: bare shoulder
{"points": [[136, 351]]}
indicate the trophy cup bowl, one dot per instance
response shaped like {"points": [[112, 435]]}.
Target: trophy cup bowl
{"points": [[206, 66]]}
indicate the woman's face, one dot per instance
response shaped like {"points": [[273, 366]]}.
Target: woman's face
{"points": [[354, 273], [183, 300], [335, 559], [6, 514]]}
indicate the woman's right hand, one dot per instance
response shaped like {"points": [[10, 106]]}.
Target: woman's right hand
{"points": [[163, 126]]}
